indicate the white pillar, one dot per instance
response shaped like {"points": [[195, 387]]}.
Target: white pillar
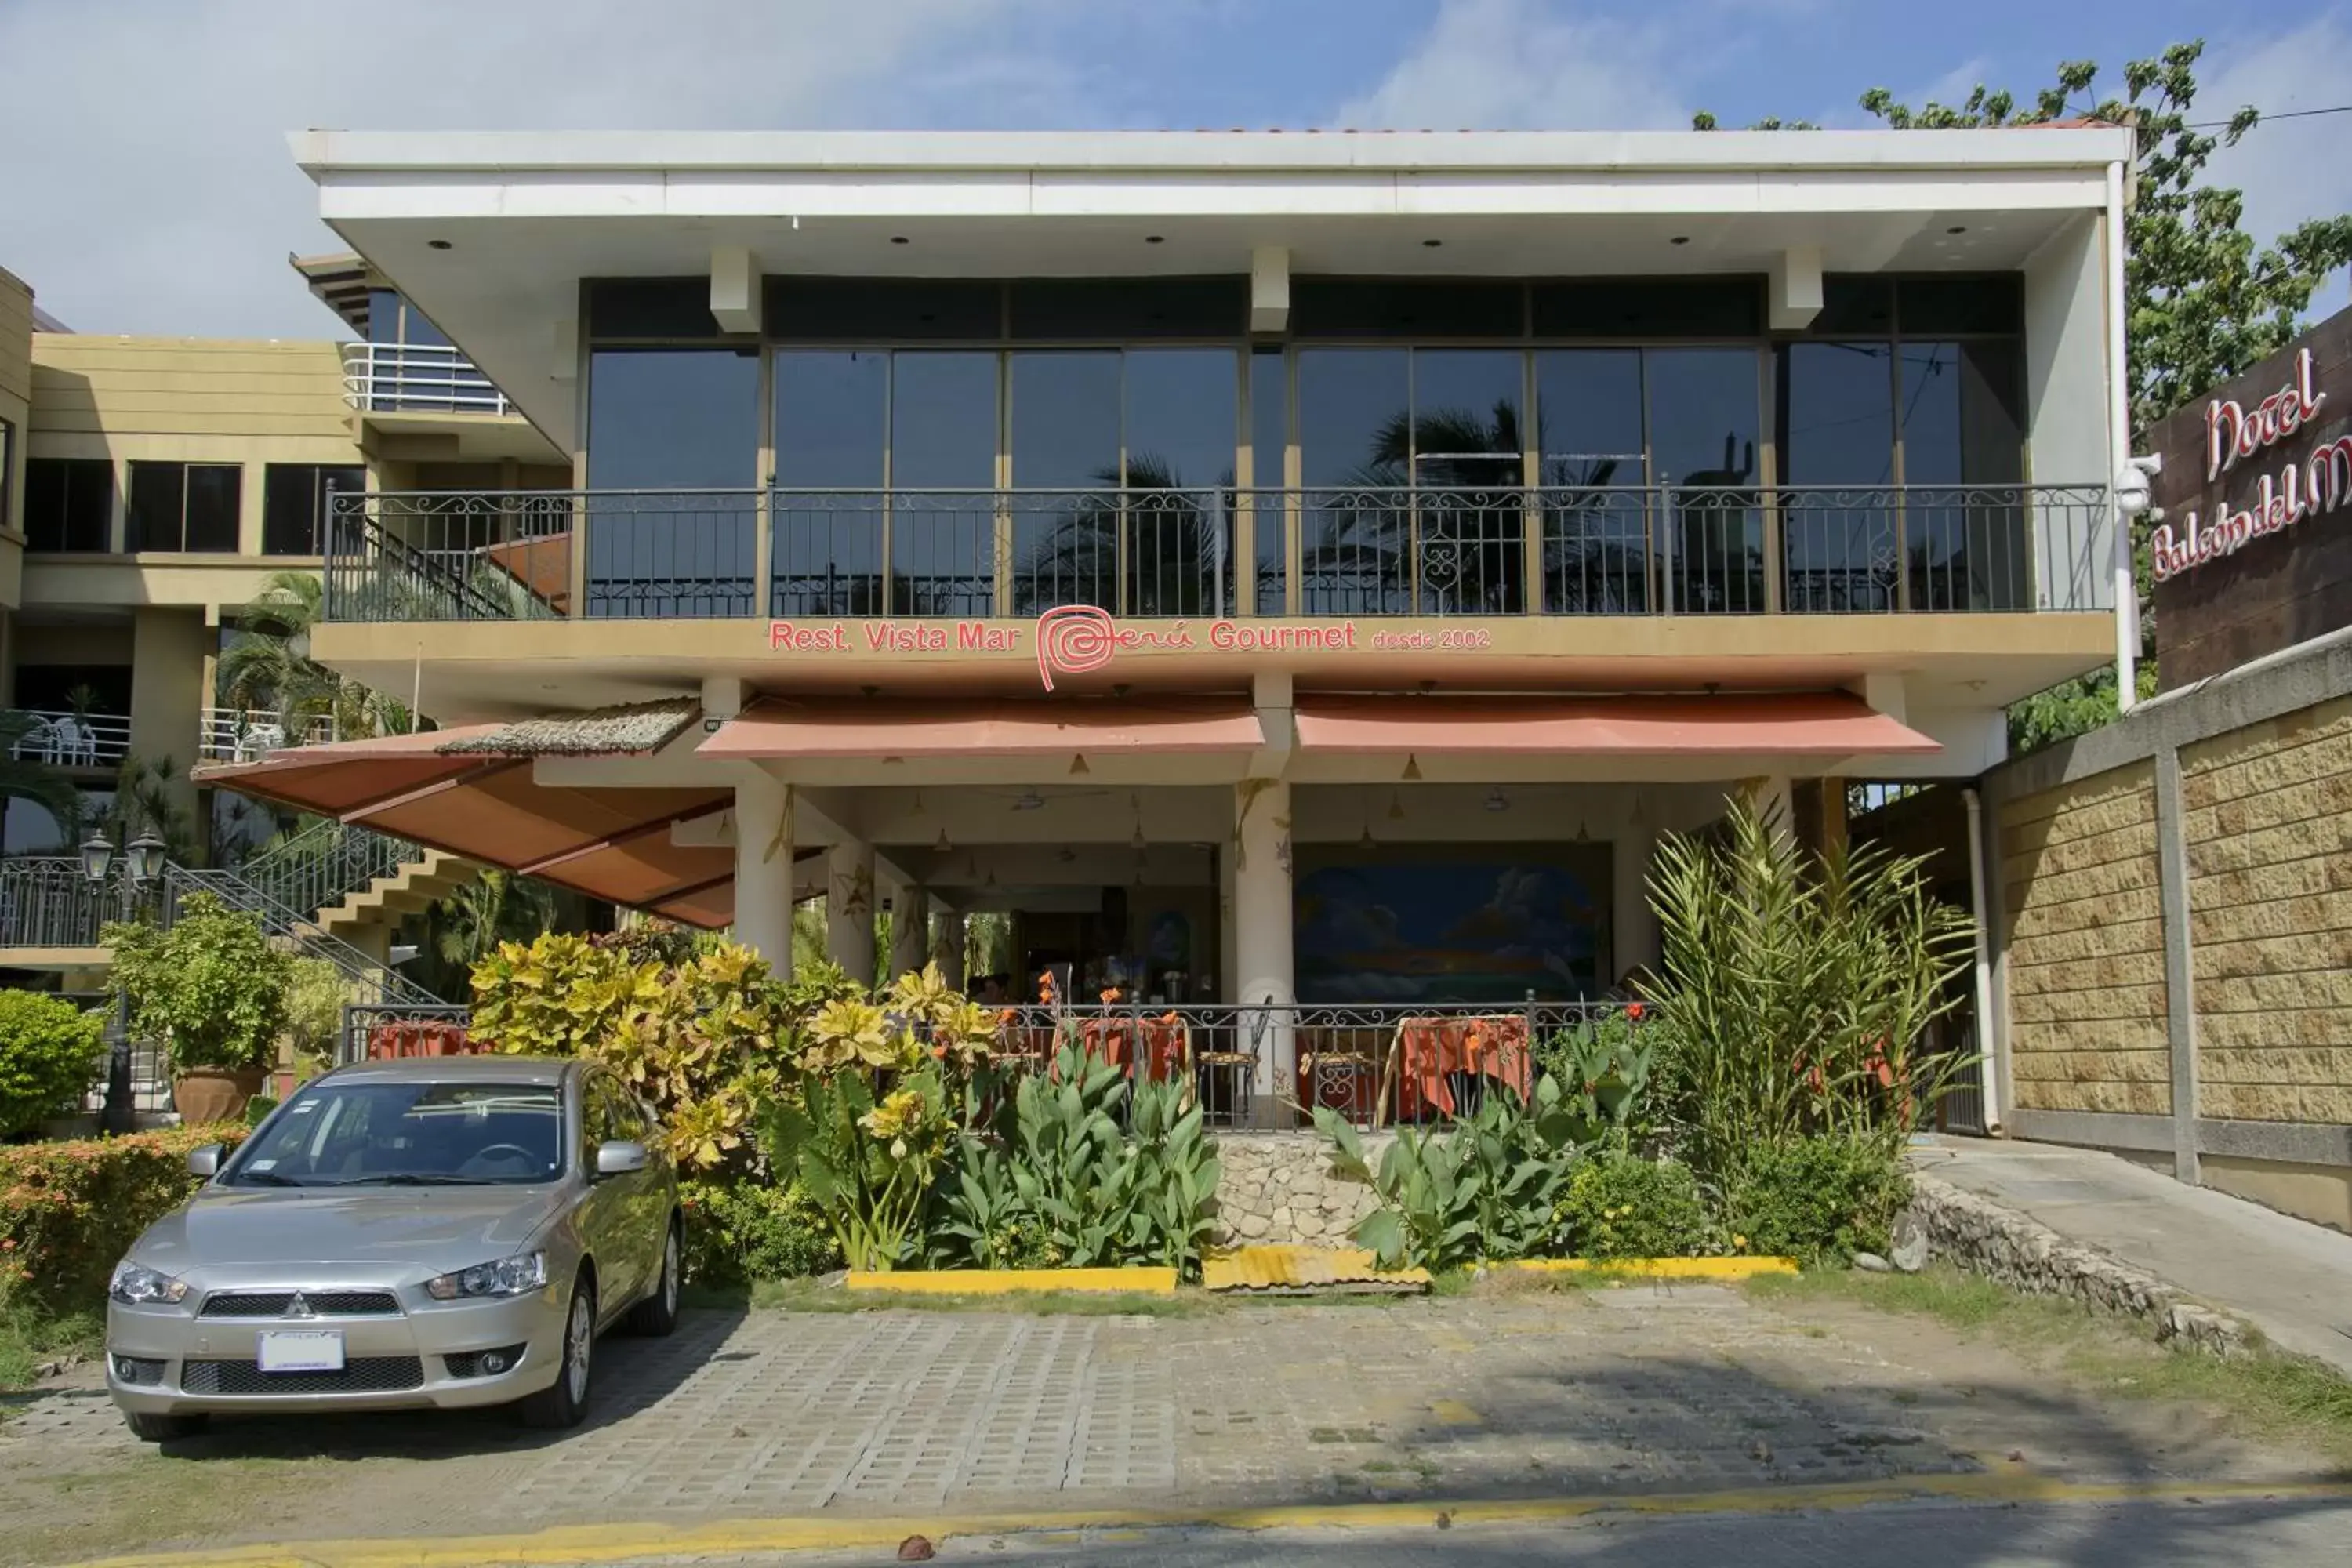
{"points": [[910, 930], [947, 947], [1262, 925], [1633, 926], [763, 870], [849, 907]]}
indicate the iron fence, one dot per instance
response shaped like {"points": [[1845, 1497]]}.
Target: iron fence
{"points": [[1372, 551], [47, 901], [324, 864], [362, 1020]]}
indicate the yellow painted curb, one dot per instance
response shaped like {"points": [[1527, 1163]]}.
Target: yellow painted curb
{"points": [[596, 1543], [1015, 1281], [1657, 1268]]}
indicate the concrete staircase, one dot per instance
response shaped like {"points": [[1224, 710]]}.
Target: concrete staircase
{"points": [[366, 916]]}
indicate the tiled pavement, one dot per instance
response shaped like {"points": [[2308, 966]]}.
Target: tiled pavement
{"points": [[1635, 1389]]}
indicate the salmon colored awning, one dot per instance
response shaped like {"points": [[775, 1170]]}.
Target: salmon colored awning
{"points": [[472, 791], [778, 728], [1793, 724]]}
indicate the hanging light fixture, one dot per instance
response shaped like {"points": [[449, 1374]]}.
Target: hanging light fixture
{"points": [[1396, 807], [1078, 763], [1582, 837], [1411, 768], [943, 846], [1497, 800]]}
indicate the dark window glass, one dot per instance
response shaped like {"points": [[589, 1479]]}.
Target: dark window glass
{"points": [[1837, 414], [1704, 430], [67, 503], [1929, 306], [383, 316], [650, 308], [1354, 435], [1468, 523], [102, 689], [1650, 308], [419, 332], [832, 432], [1588, 436], [1963, 442], [1376, 308], [1180, 430], [1859, 305], [1269, 435], [668, 424], [294, 502], [1123, 309], [919, 309], [1065, 419], [213, 497], [943, 437], [158, 500]]}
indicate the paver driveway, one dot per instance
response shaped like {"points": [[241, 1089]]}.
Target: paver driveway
{"points": [[1634, 1389]]}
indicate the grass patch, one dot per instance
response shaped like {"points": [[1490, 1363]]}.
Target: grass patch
{"points": [[2266, 1394], [28, 1338]]}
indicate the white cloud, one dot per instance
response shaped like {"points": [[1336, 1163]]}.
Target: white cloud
{"points": [[2289, 170], [1490, 65], [148, 188]]}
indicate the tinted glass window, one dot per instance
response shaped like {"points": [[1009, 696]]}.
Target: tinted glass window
{"points": [[943, 420], [383, 316], [1703, 420], [1124, 309], [293, 504], [69, 503], [1928, 306], [159, 493], [1588, 412], [1065, 436], [833, 417], [650, 308], [669, 422], [1837, 414], [1354, 415], [1269, 433], [1650, 308], [1858, 303], [1181, 418], [1466, 429], [919, 309], [213, 497], [1330, 307], [1963, 419]]}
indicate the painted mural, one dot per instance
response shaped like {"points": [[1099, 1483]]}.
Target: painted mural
{"points": [[1436, 923]]}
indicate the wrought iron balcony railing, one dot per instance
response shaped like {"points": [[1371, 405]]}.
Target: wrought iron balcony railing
{"points": [[417, 378], [1367, 551]]}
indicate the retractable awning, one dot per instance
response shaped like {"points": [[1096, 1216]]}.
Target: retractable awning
{"points": [[472, 791], [775, 727], [1790, 724]]}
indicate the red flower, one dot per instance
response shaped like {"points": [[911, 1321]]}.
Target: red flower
{"points": [[1633, 1011]]}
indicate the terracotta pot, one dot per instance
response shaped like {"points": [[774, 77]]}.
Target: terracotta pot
{"points": [[202, 1095]]}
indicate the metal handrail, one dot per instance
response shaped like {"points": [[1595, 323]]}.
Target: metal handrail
{"points": [[248, 734], [325, 863], [361, 970], [1367, 549], [417, 378]]}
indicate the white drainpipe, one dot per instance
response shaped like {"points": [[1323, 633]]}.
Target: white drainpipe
{"points": [[1988, 1080], [2119, 449]]}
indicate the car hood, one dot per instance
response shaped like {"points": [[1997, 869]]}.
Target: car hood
{"points": [[431, 1229]]}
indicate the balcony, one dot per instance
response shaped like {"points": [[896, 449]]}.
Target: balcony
{"points": [[247, 735], [69, 740], [1211, 553], [417, 378]]}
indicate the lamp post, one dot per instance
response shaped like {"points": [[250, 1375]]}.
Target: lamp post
{"points": [[142, 862]]}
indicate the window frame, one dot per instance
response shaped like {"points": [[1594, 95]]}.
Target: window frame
{"points": [[67, 469], [133, 540]]}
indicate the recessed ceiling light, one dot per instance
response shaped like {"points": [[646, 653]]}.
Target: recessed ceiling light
{"points": [[1432, 244], [1679, 239], [1957, 229], [438, 243], [898, 239], [1155, 240]]}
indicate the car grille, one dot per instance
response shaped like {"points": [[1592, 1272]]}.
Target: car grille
{"points": [[469, 1363], [138, 1371], [361, 1375], [322, 1303]]}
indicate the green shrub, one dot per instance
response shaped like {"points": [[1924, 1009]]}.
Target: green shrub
{"points": [[68, 1211], [1620, 1207], [212, 985], [1814, 1198], [557, 995], [49, 1052], [740, 1232]]}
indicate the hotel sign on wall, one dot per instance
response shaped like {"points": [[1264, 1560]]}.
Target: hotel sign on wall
{"points": [[2316, 483], [1080, 639]]}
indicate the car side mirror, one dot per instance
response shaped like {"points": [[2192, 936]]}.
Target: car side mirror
{"points": [[619, 1156], [205, 1162]]}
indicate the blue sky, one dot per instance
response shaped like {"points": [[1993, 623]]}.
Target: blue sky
{"points": [[150, 189]]}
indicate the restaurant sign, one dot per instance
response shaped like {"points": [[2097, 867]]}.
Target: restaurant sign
{"points": [[1078, 639], [2316, 483]]}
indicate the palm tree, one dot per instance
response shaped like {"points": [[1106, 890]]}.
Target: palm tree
{"points": [[34, 782], [269, 667]]}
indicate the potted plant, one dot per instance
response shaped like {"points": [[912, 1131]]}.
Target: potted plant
{"points": [[214, 989]]}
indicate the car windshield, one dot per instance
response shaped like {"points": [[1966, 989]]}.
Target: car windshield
{"points": [[355, 1133]]}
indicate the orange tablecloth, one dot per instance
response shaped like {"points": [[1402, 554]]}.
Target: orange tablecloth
{"points": [[1429, 1049]]}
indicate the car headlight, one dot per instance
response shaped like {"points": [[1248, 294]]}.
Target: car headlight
{"points": [[508, 1277], [135, 1285]]}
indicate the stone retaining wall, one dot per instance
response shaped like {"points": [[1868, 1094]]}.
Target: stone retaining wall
{"points": [[1278, 1187], [1983, 1238]]}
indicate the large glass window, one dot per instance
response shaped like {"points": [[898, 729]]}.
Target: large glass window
{"points": [[832, 432], [1355, 440], [1962, 432], [1182, 423], [943, 441], [190, 507], [1598, 516], [1066, 437], [294, 503], [69, 503], [1704, 435], [678, 431], [1269, 463]]}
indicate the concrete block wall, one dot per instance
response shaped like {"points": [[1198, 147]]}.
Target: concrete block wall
{"points": [[2086, 947]]}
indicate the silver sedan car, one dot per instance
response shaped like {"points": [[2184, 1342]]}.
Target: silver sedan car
{"points": [[440, 1231]]}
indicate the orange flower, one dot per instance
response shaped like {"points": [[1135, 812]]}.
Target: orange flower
{"points": [[1472, 1043], [1006, 1016], [939, 1053], [1046, 985], [1170, 1016], [1633, 1011], [1110, 994]]}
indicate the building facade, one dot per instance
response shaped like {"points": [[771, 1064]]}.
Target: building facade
{"points": [[1270, 568]]}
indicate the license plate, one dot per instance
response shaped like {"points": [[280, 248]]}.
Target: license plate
{"points": [[300, 1349]]}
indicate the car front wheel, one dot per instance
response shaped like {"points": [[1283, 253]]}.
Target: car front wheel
{"points": [[150, 1428], [564, 1401], [657, 1313]]}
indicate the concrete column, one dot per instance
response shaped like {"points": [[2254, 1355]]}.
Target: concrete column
{"points": [[910, 930], [1774, 800], [947, 947], [1262, 923], [763, 870], [849, 907], [1634, 925], [2180, 963], [167, 699]]}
